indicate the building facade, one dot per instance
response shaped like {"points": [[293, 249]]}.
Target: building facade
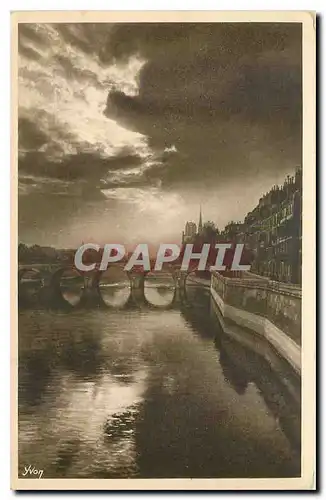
{"points": [[273, 232], [232, 232]]}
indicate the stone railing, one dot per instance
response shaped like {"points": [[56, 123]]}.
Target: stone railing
{"points": [[270, 308]]}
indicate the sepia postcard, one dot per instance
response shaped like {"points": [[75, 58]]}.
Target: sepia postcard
{"points": [[163, 251]]}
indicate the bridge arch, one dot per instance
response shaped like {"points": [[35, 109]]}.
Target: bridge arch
{"points": [[160, 288], [67, 285], [30, 284], [112, 286]]}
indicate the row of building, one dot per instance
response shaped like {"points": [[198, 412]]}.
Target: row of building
{"points": [[272, 231]]}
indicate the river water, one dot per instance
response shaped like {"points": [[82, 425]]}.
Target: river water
{"points": [[152, 392]]}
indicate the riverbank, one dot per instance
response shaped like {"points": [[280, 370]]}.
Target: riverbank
{"points": [[270, 310]]}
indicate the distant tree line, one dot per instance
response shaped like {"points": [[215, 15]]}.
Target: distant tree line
{"points": [[43, 255]]}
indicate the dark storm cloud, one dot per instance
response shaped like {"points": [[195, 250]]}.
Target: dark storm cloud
{"points": [[52, 163], [230, 41], [94, 170], [218, 91], [62, 129], [30, 136], [218, 107], [82, 166]]}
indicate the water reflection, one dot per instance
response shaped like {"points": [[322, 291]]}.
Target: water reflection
{"points": [[71, 286], [275, 380], [151, 393], [30, 283], [159, 288], [196, 289], [239, 369], [113, 286]]}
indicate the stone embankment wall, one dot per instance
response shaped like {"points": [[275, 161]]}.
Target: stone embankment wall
{"points": [[269, 308]]}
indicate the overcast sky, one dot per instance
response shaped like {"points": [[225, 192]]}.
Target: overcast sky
{"points": [[124, 130]]}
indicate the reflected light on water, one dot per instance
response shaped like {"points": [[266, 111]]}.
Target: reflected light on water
{"points": [[71, 286], [159, 288], [152, 392], [30, 282], [114, 287]]}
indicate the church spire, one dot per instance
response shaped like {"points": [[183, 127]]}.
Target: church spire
{"points": [[200, 223]]}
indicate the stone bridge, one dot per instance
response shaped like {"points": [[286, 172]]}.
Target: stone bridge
{"points": [[56, 285]]}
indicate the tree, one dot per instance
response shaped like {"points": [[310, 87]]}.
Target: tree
{"points": [[22, 252], [209, 232]]}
